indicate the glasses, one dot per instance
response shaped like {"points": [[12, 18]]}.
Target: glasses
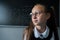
{"points": [[37, 13]]}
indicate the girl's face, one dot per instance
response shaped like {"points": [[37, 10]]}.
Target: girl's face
{"points": [[39, 16]]}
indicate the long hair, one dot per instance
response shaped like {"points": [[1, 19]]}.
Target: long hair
{"points": [[51, 23]]}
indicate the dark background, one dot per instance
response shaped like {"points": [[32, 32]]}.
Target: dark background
{"points": [[17, 12]]}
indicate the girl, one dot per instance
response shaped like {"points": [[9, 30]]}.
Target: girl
{"points": [[42, 26]]}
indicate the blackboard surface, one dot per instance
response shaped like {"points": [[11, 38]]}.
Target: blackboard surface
{"points": [[17, 12]]}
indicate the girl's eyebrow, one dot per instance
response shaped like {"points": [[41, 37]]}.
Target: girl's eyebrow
{"points": [[39, 11]]}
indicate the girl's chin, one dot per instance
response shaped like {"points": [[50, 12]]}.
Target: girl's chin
{"points": [[35, 24]]}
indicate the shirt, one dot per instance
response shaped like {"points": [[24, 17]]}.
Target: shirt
{"points": [[45, 33]]}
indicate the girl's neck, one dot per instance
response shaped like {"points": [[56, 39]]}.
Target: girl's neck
{"points": [[41, 29]]}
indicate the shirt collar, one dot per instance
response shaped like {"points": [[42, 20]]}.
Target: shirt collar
{"points": [[45, 33]]}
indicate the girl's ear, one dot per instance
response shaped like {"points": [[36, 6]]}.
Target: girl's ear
{"points": [[48, 16]]}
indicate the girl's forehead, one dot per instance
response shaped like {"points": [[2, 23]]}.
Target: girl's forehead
{"points": [[38, 8]]}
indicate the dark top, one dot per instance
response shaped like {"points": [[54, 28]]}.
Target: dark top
{"points": [[32, 37]]}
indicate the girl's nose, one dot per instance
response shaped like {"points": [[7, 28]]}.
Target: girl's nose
{"points": [[34, 17]]}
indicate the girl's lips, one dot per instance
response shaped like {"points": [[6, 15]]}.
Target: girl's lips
{"points": [[35, 20]]}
